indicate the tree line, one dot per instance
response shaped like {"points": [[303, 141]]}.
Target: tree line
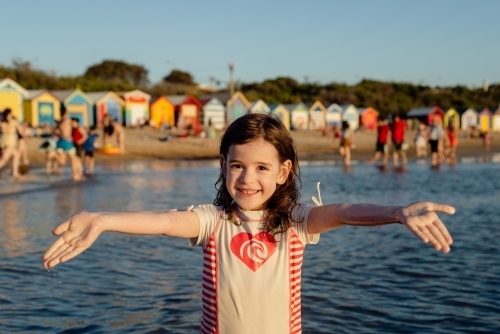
{"points": [[386, 97]]}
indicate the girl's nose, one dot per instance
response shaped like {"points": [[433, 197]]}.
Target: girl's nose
{"points": [[246, 177]]}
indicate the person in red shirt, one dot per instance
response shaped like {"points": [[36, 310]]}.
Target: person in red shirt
{"points": [[398, 140], [383, 130]]}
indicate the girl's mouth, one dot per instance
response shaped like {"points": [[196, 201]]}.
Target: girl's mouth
{"points": [[248, 191]]}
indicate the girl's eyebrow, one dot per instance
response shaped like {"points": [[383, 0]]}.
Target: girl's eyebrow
{"points": [[258, 162]]}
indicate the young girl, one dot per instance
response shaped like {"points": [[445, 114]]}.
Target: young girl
{"points": [[345, 143], [254, 235]]}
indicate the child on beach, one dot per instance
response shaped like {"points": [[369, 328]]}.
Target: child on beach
{"points": [[381, 147], [346, 142], [48, 150], [89, 150], [253, 237]]}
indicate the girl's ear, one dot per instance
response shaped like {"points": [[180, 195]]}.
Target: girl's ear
{"points": [[285, 169], [223, 166]]}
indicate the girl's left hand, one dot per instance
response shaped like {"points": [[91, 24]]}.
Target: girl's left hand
{"points": [[422, 220]]}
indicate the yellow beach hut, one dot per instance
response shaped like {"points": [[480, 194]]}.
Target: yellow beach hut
{"points": [[162, 112], [451, 116], [485, 117], [12, 96], [42, 108], [282, 113]]}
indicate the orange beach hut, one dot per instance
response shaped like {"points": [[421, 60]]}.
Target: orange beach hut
{"points": [[162, 112], [368, 118]]}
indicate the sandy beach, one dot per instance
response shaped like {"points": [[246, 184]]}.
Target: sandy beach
{"points": [[145, 144]]}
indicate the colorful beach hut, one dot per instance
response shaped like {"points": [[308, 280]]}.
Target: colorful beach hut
{"points": [[334, 115], [213, 110], [496, 120], [42, 108], [136, 107], [451, 116], [77, 104], [12, 96], [187, 110], [258, 107], [368, 118], [317, 116], [468, 118], [282, 113], [299, 115], [162, 112], [426, 114], [236, 105], [485, 120], [350, 114], [106, 104]]}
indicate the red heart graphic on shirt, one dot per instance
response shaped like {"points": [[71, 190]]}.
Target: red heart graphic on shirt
{"points": [[253, 250]]}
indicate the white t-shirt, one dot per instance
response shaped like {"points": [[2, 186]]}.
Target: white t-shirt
{"points": [[251, 280]]}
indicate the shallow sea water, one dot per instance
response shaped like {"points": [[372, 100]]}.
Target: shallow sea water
{"points": [[355, 280]]}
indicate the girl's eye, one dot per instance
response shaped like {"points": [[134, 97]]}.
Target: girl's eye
{"points": [[236, 166], [263, 168]]}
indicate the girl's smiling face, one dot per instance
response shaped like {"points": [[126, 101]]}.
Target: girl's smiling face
{"points": [[253, 171]]}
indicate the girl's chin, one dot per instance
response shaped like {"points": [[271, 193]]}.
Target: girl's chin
{"points": [[250, 208]]}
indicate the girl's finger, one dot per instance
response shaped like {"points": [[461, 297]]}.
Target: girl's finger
{"points": [[74, 252], [444, 231], [432, 239], [436, 207], [436, 233], [59, 242], [58, 252], [418, 233], [61, 228]]}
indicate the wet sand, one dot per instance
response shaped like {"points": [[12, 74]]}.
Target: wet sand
{"points": [[145, 144]]}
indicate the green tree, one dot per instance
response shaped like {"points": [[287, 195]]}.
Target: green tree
{"points": [[119, 71], [180, 77]]}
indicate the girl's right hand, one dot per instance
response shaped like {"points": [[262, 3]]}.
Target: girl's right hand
{"points": [[76, 235]]}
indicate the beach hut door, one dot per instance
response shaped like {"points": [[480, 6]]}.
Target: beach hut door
{"points": [[46, 113], [113, 111]]}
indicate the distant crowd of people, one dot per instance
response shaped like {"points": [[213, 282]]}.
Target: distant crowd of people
{"points": [[67, 140]]}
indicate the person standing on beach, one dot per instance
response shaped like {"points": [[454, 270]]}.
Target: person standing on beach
{"points": [[398, 139], [79, 137], [383, 130], [116, 131], [89, 150], [65, 146], [346, 142], [10, 141], [421, 141], [436, 136], [452, 142]]}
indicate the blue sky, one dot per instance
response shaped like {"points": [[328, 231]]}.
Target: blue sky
{"points": [[441, 42]]}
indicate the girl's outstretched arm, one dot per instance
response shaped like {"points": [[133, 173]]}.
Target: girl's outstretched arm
{"points": [[81, 230], [419, 217]]}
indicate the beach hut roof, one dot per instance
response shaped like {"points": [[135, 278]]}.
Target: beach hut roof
{"points": [[344, 107], [135, 92], [222, 96], [274, 106], [94, 96], [32, 93], [61, 95], [176, 99], [421, 111], [18, 87], [292, 106], [461, 111], [333, 107]]}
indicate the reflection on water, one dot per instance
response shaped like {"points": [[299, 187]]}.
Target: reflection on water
{"points": [[356, 280]]}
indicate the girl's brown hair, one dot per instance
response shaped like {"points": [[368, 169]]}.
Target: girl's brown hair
{"points": [[249, 128]]}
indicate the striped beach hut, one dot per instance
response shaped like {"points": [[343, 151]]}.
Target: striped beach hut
{"points": [[282, 113], [468, 118], [351, 115], [299, 115], [451, 116], [12, 96], [334, 115], [136, 107], [258, 107], [42, 108], [187, 110], [214, 111], [236, 105], [77, 104], [485, 119], [106, 104], [317, 116], [162, 112], [368, 118]]}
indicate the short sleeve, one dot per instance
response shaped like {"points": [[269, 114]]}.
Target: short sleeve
{"points": [[209, 216], [301, 214]]}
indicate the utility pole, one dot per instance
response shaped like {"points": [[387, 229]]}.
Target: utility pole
{"points": [[231, 79]]}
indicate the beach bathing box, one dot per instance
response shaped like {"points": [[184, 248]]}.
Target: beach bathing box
{"points": [[485, 119], [282, 113], [12, 96], [162, 112], [468, 118], [236, 105], [334, 115], [451, 116], [299, 115], [42, 108], [136, 107], [213, 110], [106, 104], [426, 114], [259, 107], [77, 104], [187, 110], [496, 120], [368, 118], [317, 116], [350, 114]]}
